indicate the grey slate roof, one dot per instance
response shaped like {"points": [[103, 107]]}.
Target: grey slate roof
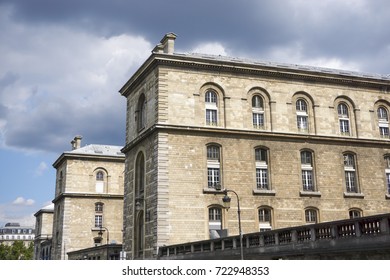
{"points": [[288, 66], [103, 150]]}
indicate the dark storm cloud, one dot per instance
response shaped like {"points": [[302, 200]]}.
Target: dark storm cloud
{"points": [[85, 50], [244, 24]]}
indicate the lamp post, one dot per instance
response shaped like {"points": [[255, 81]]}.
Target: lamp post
{"points": [[226, 202], [108, 236]]}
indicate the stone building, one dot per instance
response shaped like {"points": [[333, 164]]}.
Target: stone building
{"points": [[88, 201], [43, 233], [297, 144], [12, 232]]}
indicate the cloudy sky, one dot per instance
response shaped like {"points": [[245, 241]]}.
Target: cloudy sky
{"points": [[63, 62]]}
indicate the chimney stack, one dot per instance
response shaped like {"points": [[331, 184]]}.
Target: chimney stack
{"points": [[76, 142], [167, 44]]}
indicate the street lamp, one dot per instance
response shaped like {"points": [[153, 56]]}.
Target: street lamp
{"points": [[100, 233], [226, 202]]}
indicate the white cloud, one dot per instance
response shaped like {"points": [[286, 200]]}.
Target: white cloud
{"points": [[213, 48], [22, 201], [42, 167]]}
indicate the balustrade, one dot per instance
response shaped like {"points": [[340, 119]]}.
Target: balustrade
{"points": [[351, 228]]}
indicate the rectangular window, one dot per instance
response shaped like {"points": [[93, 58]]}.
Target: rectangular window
{"points": [[307, 180], [302, 123], [213, 177], [211, 117], [350, 182], [262, 178], [258, 120], [344, 126], [384, 132], [98, 220], [388, 182]]}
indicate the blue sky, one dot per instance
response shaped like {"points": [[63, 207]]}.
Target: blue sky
{"points": [[63, 62]]}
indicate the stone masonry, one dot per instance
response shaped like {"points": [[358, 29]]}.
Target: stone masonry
{"points": [[173, 139]]}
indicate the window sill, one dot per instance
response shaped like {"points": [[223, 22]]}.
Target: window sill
{"points": [[264, 192], [310, 193], [353, 195], [213, 191], [387, 196]]}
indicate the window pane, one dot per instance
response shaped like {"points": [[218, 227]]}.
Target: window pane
{"points": [[99, 176], [213, 152], [211, 117], [349, 161], [215, 214], [382, 114], [302, 122], [212, 177], [261, 155], [384, 132], [350, 183], [344, 126], [258, 120], [306, 158], [211, 97], [261, 178], [264, 215], [388, 182], [342, 110], [307, 180], [301, 105], [311, 216], [257, 102]]}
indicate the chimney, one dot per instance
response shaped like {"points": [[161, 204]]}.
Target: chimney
{"points": [[168, 43], [76, 142]]}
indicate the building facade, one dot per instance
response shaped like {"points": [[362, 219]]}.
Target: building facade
{"points": [[297, 144], [12, 232], [88, 198], [43, 233]]}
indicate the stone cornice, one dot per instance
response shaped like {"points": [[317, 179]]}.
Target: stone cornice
{"points": [[96, 157], [263, 135], [88, 195], [271, 71]]}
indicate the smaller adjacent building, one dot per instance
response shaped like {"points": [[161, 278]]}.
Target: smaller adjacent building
{"points": [[12, 232], [43, 233], [88, 201]]}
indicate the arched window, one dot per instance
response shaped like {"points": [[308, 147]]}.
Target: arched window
{"points": [[99, 176], [311, 216], [355, 213], [307, 171], [344, 121], [215, 221], [351, 184], [302, 115], [99, 207], [265, 218], [99, 183], [261, 160], [211, 101], [213, 166], [258, 112], [141, 112], [383, 122], [140, 176]]}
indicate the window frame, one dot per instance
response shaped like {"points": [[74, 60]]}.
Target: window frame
{"points": [[211, 107], [262, 168], [309, 217], [265, 215], [213, 164]]}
